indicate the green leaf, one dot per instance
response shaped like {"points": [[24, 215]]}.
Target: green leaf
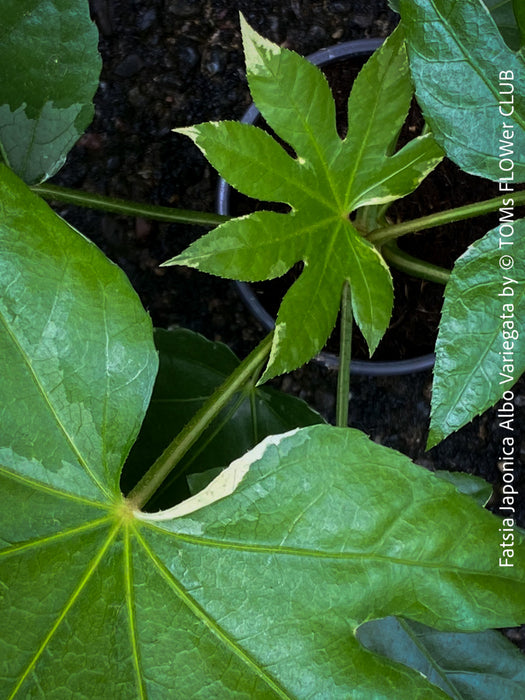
{"points": [[191, 368], [457, 58], [259, 591], [78, 346], [476, 666], [473, 486], [323, 184], [255, 587], [478, 352], [506, 18], [50, 69], [503, 15], [252, 589], [519, 13], [198, 481]]}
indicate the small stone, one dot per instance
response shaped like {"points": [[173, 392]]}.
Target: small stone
{"points": [[317, 35], [129, 66], [362, 20], [339, 8], [185, 8], [216, 60], [136, 98], [113, 163], [188, 57], [147, 20]]}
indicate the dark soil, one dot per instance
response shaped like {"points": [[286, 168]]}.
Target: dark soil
{"points": [[170, 63]]}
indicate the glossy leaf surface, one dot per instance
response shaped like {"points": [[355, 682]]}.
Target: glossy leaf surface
{"points": [[237, 593], [50, 70], [456, 57], [329, 179], [479, 354], [475, 666], [191, 368], [474, 486], [243, 596], [77, 350], [502, 13]]}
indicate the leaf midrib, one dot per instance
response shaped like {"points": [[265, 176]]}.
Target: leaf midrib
{"points": [[51, 490], [419, 155], [479, 364], [473, 62], [288, 177], [211, 624], [371, 125], [451, 687], [55, 537], [90, 570], [313, 140], [317, 554]]}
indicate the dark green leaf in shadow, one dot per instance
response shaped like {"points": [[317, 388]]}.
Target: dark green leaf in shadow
{"points": [[471, 485], [191, 368], [199, 480], [475, 666], [50, 70], [519, 13]]}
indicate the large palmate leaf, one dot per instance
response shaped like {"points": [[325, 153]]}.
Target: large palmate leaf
{"points": [[328, 180], [253, 589], [476, 666], [50, 69], [479, 353], [191, 368], [462, 71], [504, 15], [78, 360]]}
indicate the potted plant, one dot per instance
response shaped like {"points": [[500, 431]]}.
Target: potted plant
{"points": [[258, 585]]}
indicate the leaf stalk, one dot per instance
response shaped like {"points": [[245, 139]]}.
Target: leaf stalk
{"points": [[128, 208], [167, 461], [345, 353], [389, 233]]}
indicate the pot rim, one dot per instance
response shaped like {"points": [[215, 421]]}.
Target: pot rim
{"points": [[358, 47]]}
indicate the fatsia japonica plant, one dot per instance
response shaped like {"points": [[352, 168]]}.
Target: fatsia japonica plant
{"points": [[318, 563]]}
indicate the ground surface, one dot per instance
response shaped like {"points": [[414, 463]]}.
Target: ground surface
{"points": [[170, 63]]}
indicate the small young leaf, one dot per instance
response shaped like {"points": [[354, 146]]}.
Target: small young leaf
{"points": [[478, 352], [457, 44], [191, 368], [324, 184], [50, 70], [475, 666]]}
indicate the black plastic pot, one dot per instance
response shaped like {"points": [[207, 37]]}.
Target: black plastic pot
{"points": [[361, 47]]}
